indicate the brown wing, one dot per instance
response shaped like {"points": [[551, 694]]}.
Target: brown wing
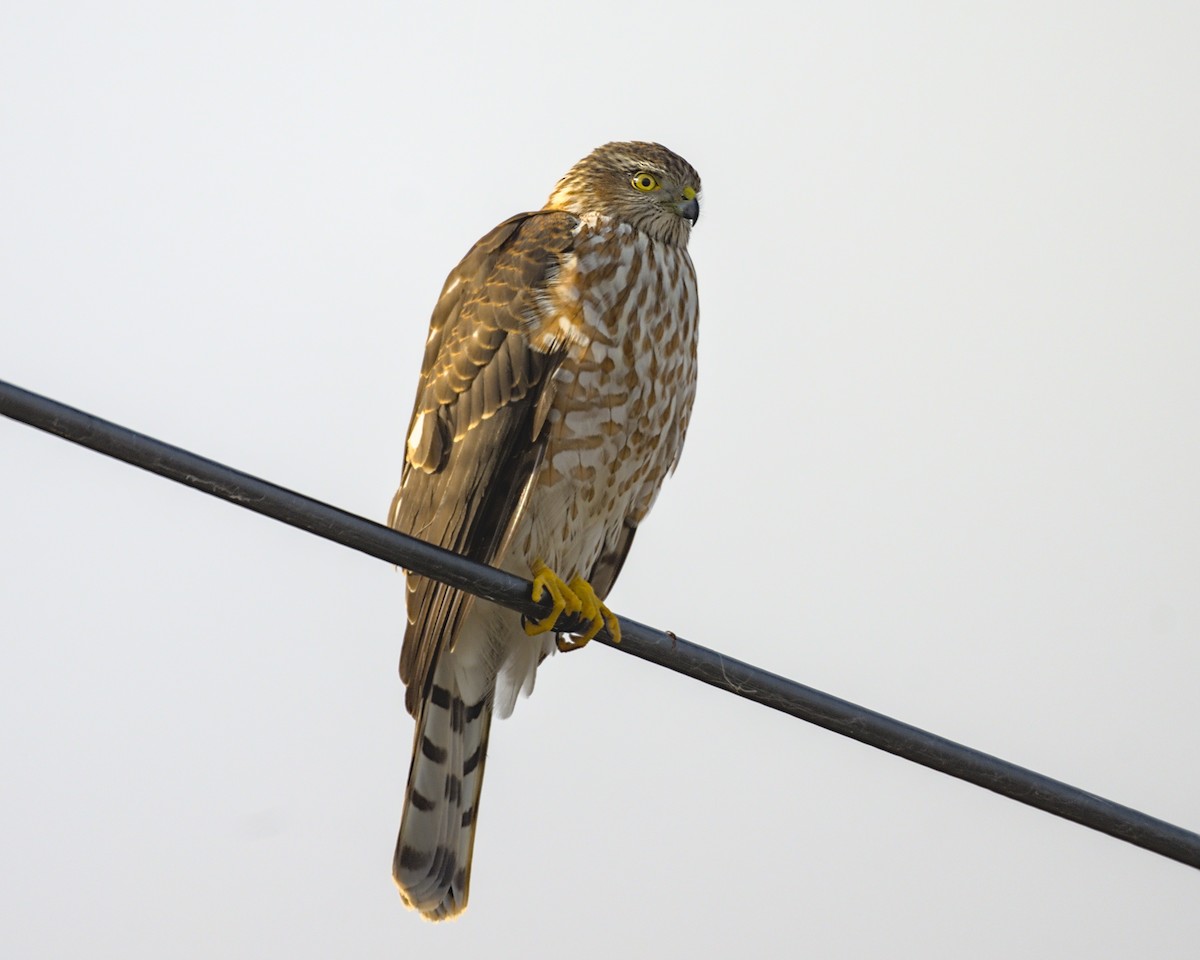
{"points": [[477, 431], [608, 565]]}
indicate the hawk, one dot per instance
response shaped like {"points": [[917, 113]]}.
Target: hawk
{"points": [[555, 392]]}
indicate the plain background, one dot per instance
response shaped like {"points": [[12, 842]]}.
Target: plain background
{"points": [[944, 462]]}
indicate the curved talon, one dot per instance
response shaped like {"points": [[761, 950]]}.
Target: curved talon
{"points": [[589, 608], [601, 616], [613, 624]]}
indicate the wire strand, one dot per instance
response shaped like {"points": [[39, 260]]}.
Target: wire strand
{"points": [[647, 643]]}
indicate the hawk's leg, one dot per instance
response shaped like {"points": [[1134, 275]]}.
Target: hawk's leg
{"points": [[576, 599]]}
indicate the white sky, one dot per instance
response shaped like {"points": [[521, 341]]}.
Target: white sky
{"points": [[944, 463]]}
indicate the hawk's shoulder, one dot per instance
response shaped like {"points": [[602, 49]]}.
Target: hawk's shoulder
{"points": [[471, 359]]}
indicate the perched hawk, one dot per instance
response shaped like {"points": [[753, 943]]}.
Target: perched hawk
{"points": [[554, 396]]}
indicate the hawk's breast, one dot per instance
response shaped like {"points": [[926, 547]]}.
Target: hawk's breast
{"points": [[625, 308]]}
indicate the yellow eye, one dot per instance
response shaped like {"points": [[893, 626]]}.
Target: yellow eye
{"points": [[645, 182]]}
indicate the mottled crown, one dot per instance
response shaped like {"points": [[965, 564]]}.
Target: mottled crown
{"points": [[642, 184]]}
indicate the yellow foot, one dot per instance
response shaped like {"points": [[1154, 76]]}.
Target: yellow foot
{"points": [[546, 581], [576, 599], [595, 612]]}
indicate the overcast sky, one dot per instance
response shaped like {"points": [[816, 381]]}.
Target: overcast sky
{"points": [[944, 462]]}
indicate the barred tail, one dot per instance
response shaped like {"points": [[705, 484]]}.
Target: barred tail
{"points": [[432, 867]]}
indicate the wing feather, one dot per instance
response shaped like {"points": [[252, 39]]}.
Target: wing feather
{"points": [[608, 565], [476, 435]]}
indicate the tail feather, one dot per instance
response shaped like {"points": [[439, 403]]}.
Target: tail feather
{"points": [[432, 866]]}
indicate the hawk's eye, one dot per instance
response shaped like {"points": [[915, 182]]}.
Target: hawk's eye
{"points": [[645, 182]]}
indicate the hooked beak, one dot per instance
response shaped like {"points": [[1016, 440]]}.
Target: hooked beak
{"points": [[688, 206]]}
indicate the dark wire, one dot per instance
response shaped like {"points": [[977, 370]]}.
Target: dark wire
{"points": [[666, 650]]}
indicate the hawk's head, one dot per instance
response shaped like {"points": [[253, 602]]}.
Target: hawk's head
{"points": [[643, 184]]}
